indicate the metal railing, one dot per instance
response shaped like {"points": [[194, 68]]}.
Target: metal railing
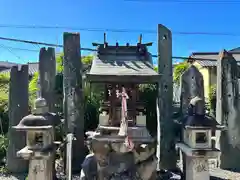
{"points": [[69, 138]]}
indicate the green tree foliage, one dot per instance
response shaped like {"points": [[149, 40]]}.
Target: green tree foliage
{"points": [[148, 95], [91, 96], [3, 147], [4, 84], [32, 88], [87, 59], [178, 70], [59, 61], [4, 81], [212, 99]]}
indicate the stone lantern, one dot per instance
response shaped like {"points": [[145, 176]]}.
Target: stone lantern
{"points": [[197, 145], [40, 148]]}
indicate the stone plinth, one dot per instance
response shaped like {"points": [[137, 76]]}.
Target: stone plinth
{"points": [[197, 167], [111, 158]]}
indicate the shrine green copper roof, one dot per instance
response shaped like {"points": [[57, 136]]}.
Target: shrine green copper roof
{"points": [[122, 64]]}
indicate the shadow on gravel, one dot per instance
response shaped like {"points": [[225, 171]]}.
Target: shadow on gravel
{"points": [[216, 178], [13, 176]]}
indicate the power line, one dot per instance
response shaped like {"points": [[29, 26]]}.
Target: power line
{"points": [[9, 50], [21, 49], [116, 30], [77, 28], [41, 43], [86, 49]]}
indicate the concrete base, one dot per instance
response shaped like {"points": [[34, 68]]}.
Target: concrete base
{"points": [[120, 158], [40, 169], [40, 166], [197, 168]]}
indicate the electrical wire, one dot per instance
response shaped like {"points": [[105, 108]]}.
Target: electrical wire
{"points": [[21, 49], [9, 50], [116, 30], [41, 43], [85, 49]]}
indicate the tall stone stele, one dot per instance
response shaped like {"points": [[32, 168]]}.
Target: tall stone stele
{"points": [[166, 153], [18, 108], [73, 100], [47, 74], [228, 111]]}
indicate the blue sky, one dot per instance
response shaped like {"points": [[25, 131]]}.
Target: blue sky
{"points": [[118, 14]]}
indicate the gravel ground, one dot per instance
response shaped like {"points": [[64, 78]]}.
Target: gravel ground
{"points": [[13, 177], [216, 174], [223, 174], [219, 174], [22, 177]]}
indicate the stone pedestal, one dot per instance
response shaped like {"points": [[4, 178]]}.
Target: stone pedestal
{"points": [[197, 167], [112, 159], [40, 169]]}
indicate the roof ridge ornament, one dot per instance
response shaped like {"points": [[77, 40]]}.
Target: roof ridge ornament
{"points": [[105, 41], [140, 39]]}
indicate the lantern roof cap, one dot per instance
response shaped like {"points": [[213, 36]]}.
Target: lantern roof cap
{"points": [[34, 122], [196, 117], [200, 122]]}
